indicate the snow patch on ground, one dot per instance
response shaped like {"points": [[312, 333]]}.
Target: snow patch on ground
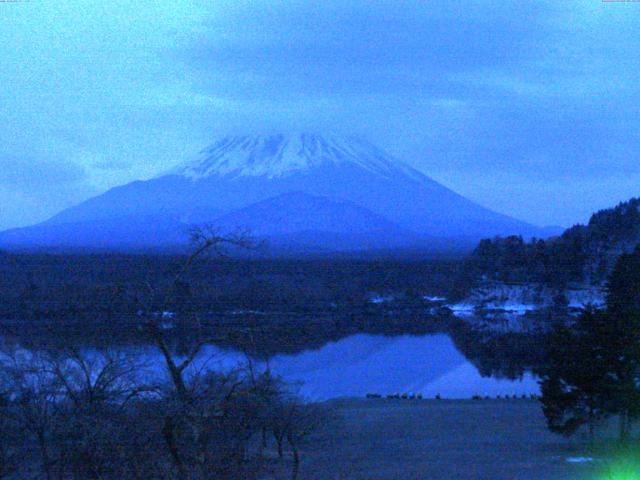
{"points": [[520, 298], [511, 307], [462, 309], [434, 298], [379, 299], [579, 459]]}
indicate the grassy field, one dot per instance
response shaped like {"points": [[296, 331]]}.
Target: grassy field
{"points": [[447, 439]]}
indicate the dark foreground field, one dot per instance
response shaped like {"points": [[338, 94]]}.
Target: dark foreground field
{"points": [[430, 439]]}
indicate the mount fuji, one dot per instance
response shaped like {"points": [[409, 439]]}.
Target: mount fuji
{"points": [[307, 191]]}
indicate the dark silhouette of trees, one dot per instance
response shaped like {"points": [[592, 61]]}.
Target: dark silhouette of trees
{"points": [[623, 290], [582, 253], [573, 389], [97, 414], [593, 367], [10, 443]]}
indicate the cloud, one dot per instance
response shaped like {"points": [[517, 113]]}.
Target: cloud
{"points": [[538, 95], [34, 187], [25, 173]]}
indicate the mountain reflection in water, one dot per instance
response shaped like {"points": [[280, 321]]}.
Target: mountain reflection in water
{"points": [[361, 364], [386, 365]]}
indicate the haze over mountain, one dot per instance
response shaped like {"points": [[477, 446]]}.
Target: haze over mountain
{"points": [[278, 186]]}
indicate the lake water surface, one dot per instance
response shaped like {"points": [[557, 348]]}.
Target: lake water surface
{"points": [[361, 364]]}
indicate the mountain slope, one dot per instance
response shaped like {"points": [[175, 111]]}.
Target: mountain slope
{"points": [[298, 221], [294, 221], [237, 172], [299, 212], [120, 233]]}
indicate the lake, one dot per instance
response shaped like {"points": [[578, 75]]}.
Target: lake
{"points": [[363, 363]]}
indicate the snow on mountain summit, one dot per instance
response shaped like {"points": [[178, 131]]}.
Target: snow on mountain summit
{"points": [[275, 156]]}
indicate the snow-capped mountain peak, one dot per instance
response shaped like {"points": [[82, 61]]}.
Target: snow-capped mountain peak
{"points": [[344, 186], [274, 156]]}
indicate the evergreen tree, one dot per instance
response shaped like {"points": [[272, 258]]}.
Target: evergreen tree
{"points": [[594, 367], [621, 335], [572, 385], [623, 296]]}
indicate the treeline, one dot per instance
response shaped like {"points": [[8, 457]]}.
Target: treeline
{"points": [[280, 305], [583, 253], [220, 282]]}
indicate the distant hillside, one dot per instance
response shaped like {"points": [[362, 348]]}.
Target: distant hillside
{"points": [[583, 254]]}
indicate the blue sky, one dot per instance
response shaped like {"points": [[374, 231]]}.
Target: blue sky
{"points": [[529, 108]]}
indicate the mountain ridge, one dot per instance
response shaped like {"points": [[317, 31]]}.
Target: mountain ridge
{"points": [[239, 172]]}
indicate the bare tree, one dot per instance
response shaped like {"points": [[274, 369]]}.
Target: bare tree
{"points": [[36, 394], [96, 377], [75, 406], [293, 420], [205, 240]]}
